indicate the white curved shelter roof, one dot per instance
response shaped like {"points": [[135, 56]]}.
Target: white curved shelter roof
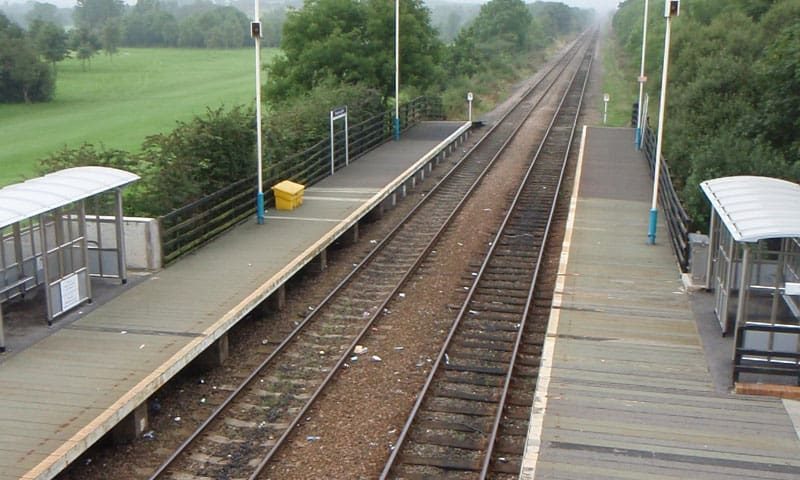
{"points": [[39, 195], [755, 208]]}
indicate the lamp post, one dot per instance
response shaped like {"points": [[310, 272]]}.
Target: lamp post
{"points": [[671, 8], [255, 32], [397, 69], [642, 79]]}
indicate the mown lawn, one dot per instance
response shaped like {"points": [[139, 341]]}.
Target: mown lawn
{"points": [[121, 100]]}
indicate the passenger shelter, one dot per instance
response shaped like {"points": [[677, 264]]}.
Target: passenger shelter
{"points": [[46, 239], [754, 271]]}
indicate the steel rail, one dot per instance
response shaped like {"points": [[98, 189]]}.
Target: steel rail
{"points": [[466, 304], [281, 441], [347, 280]]}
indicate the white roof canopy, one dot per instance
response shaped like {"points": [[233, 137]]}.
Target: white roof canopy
{"points": [[755, 208], [39, 195]]}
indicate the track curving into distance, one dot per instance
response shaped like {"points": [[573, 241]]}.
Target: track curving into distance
{"points": [[247, 429], [453, 428]]}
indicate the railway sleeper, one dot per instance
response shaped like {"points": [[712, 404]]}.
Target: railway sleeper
{"points": [[520, 399], [461, 362], [490, 330], [450, 439], [497, 301], [514, 429], [509, 323], [483, 427], [491, 317], [448, 406], [507, 465], [529, 356], [499, 304], [525, 371], [460, 352], [477, 369], [471, 378], [521, 285], [491, 293], [505, 346], [516, 412], [491, 396], [445, 463]]}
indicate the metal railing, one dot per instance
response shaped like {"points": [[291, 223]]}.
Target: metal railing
{"points": [[188, 227], [676, 218]]}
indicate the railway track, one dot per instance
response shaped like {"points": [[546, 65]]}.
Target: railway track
{"points": [[247, 428], [470, 418]]}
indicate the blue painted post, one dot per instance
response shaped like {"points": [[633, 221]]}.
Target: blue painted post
{"points": [[397, 128], [260, 208], [651, 229]]}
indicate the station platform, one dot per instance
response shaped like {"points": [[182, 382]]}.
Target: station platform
{"points": [[625, 389], [68, 389]]}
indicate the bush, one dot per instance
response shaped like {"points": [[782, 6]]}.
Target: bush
{"points": [[197, 158]]}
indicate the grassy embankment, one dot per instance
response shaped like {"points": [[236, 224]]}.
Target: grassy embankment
{"points": [[121, 100], [620, 82]]}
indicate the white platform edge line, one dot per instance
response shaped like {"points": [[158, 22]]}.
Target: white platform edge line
{"points": [[306, 219], [530, 456], [336, 199]]}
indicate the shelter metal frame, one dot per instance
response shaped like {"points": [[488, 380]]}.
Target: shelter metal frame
{"points": [[44, 238], [754, 270]]}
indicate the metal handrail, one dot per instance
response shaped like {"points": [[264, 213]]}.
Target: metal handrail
{"points": [[675, 216], [187, 228]]}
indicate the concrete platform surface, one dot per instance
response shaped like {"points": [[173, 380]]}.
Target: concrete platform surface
{"points": [[67, 390], [624, 387]]}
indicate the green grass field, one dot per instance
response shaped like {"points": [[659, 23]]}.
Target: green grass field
{"points": [[121, 100]]}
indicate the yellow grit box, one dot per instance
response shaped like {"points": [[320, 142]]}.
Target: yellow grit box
{"points": [[288, 195]]}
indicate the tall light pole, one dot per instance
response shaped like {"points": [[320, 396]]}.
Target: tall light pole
{"points": [[255, 32], [671, 8], [397, 69], [642, 80]]}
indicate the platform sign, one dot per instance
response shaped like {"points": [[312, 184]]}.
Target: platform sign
{"points": [[469, 100], [70, 292], [339, 113]]}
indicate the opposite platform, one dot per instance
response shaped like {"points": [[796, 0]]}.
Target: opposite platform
{"points": [[63, 393], [624, 389]]}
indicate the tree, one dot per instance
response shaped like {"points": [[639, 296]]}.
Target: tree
{"points": [[353, 42], [221, 27], [85, 44], [23, 77], [93, 14], [50, 40], [421, 51], [110, 37], [149, 25], [44, 12]]}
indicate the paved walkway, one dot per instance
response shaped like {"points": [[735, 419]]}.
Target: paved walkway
{"points": [[64, 392], [624, 389]]}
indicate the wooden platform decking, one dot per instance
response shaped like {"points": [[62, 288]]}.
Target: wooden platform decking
{"points": [[63, 393], [624, 390]]}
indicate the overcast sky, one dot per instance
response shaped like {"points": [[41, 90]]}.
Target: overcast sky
{"points": [[600, 5]]}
